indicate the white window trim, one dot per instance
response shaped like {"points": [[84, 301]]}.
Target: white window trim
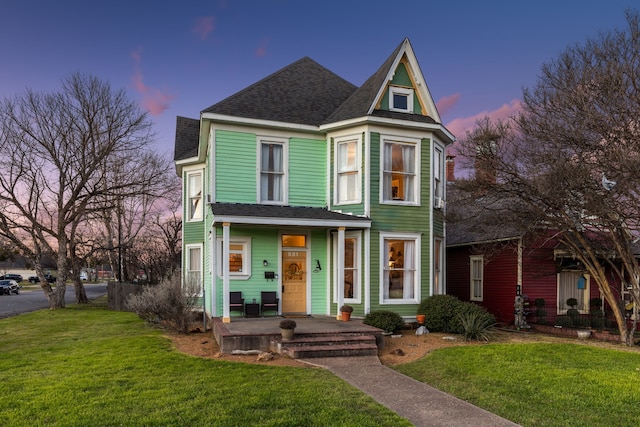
{"points": [[417, 278], [358, 170], [187, 263], [246, 258], [393, 90], [285, 169], [472, 259], [188, 212], [357, 287], [402, 140], [438, 169]]}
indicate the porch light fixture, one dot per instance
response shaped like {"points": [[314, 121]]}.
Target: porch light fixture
{"points": [[265, 263]]}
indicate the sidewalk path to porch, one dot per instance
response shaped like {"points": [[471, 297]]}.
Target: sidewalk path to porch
{"points": [[420, 403]]}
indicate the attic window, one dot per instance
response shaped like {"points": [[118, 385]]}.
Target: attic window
{"points": [[401, 99]]}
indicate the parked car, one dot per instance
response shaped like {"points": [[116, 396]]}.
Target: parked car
{"points": [[84, 275], [9, 287], [36, 279], [10, 276]]}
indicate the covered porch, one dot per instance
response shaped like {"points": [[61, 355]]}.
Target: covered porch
{"points": [[260, 333]]}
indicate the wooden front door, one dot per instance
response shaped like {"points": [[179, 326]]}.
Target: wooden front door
{"points": [[294, 280]]}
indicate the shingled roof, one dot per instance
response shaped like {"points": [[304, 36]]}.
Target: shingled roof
{"points": [[303, 93], [269, 214], [187, 136]]}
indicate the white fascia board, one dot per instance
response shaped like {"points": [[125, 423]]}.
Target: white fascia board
{"points": [[447, 137], [219, 219], [182, 163], [245, 121]]}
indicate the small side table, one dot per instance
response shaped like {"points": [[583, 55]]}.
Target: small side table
{"points": [[252, 309]]}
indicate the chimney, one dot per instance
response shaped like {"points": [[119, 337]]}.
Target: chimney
{"points": [[451, 165]]}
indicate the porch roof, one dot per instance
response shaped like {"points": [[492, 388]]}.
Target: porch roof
{"points": [[241, 213]]}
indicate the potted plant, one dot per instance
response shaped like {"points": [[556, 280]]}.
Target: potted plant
{"points": [[345, 312], [421, 317], [287, 328]]}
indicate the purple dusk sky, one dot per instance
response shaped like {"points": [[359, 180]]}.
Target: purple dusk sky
{"points": [[179, 57]]}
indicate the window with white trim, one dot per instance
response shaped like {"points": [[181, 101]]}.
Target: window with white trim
{"points": [[272, 163], [400, 99], [352, 267], [400, 183], [347, 170], [437, 288], [438, 186], [193, 265], [194, 196], [400, 259], [239, 257], [476, 275]]}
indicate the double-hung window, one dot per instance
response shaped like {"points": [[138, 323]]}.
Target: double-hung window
{"points": [[351, 267], [193, 264], [476, 264], [272, 182], [438, 186], [573, 284], [399, 171], [400, 268], [194, 195], [347, 170]]}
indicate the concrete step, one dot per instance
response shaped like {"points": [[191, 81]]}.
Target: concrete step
{"points": [[306, 346]]}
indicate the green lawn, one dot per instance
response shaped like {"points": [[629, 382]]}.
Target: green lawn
{"points": [[541, 384], [87, 366]]}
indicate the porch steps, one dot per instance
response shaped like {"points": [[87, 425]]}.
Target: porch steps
{"points": [[339, 345]]}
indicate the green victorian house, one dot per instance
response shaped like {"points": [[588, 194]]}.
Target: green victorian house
{"points": [[319, 191]]}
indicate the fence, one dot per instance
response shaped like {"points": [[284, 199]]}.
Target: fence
{"points": [[119, 292]]}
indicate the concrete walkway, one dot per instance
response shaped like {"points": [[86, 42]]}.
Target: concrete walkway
{"points": [[419, 403]]}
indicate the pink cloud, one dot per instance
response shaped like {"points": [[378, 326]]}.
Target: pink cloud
{"points": [[203, 26], [153, 100], [446, 103], [261, 50], [461, 125]]}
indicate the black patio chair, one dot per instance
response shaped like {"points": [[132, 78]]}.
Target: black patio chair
{"points": [[269, 302], [236, 302]]}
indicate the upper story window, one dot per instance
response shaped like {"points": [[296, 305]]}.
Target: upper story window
{"points": [[401, 99], [476, 275], [438, 179], [272, 184], [399, 172], [194, 195], [347, 170]]}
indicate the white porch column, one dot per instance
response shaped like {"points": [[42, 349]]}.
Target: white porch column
{"points": [[226, 317], [340, 262]]}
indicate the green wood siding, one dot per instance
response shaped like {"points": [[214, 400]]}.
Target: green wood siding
{"points": [[235, 167], [393, 218], [307, 172], [401, 78], [319, 278]]}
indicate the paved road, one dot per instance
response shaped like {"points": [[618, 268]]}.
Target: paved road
{"points": [[34, 299]]}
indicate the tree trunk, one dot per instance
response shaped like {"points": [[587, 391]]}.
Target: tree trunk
{"points": [[81, 292]]}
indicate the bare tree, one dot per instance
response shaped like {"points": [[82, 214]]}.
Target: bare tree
{"points": [[569, 162], [56, 152]]}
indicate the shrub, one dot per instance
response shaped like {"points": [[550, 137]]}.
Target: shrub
{"points": [[440, 312], [168, 303], [476, 325], [346, 309], [386, 320]]}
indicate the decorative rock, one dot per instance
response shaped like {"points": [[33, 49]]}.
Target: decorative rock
{"points": [[422, 330], [246, 352], [449, 338], [264, 357], [397, 352]]}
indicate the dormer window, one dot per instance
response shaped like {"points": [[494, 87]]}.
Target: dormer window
{"points": [[401, 99]]}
